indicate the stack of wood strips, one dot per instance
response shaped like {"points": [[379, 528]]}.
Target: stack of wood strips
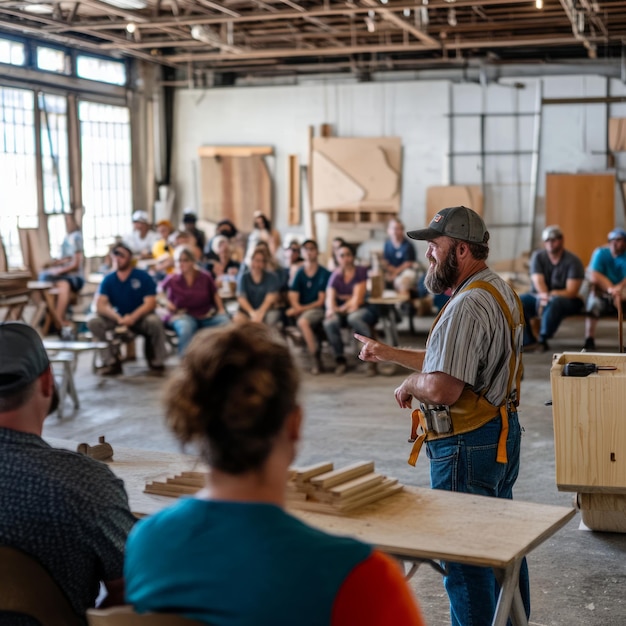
{"points": [[14, 283], [183, 484], [318, 488], [323, 489]]}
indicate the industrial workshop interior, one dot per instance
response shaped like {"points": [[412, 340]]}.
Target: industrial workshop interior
{"points": [[311, 312]]}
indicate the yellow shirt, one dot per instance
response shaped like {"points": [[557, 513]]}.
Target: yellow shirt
{"points": [[158, 250]]}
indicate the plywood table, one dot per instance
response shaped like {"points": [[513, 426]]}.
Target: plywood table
{"points": [[415, 525]]}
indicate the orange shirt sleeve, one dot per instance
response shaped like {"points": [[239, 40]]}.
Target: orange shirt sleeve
{"points": [[376, 594]]}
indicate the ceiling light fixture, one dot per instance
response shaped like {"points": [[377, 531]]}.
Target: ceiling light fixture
{"points": [[39, 9], [132, 5], [131, 27], [371, 24], [384, 1], [539, 4], [406, 12], [452, 17]]}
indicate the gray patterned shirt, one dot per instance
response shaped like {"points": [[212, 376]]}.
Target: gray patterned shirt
{"points": [[65, 509], [471, 340]]}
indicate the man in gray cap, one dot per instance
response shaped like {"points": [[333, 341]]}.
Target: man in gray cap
{"points": [[64, 509], [556, 275], [607, 276], [466, 382]]}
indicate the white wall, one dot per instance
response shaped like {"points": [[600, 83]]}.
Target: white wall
{"points": [[573, 137]]}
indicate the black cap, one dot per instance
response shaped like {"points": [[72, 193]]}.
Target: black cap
{"points": [[457, 222], [23, 358], [189, 217]]}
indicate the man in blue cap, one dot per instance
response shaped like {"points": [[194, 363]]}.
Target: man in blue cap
{"points": [[64, 509], [607, 275]]}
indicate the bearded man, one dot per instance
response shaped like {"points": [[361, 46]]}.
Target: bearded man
{"points": [[466, 382]]}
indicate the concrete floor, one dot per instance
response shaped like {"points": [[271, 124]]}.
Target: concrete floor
{"points": [[577, 576]]}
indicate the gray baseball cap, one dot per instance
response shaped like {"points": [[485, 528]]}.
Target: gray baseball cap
{"points": [[23, 359], [458, 222]]}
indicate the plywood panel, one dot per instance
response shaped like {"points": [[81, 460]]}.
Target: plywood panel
{"points": [[234, 188], [583, 205], [372, 164], [443, 196]]}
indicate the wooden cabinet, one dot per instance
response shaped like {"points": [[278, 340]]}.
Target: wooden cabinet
{"points": [[590, 424]]}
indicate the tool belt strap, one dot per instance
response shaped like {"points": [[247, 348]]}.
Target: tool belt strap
{"points": [[472, 410]]}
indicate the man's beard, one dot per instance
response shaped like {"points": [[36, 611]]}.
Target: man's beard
{"points": [[441, 277]]}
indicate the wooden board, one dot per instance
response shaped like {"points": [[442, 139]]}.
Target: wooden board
{"points": [[235, 151], [356, 172], [337, 477], [234, 188], [617, 134], [294, 213], [589, 424], [583, 205], [444, 196], [35, 249]]}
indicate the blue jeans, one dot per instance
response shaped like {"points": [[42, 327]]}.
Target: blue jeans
{"points": [[361, 321], [185, 326], [557, 309], [467, 463]]}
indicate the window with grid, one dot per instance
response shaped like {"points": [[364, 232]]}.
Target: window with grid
{"points": [[18, 175], [55, 164], [11, 52], [106, 166]]}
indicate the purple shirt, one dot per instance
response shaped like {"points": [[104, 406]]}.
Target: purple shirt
{"points": [[197, 300], [342, 289]]}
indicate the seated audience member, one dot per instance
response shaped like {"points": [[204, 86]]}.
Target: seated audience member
{"points": [[67, 272], [235, 397], [127, 297], [293, 259], [67, 511], [190, 219], [184, 238], [257, 291], [607, 276], [220, 262], [399, 260], [142, 238], [262, 231], [163, 250], [335, 244], [307, 292], [192, 299], [556, 276], [237, 244], [345, 306]]}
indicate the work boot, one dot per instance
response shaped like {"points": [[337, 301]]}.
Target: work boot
{"points": [[114, 369], [590, 345], [341, 368]]}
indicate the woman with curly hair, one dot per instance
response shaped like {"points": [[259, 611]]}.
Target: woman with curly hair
{"points": [[231, 555]]}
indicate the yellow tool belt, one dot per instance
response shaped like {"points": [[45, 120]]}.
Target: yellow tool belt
{"points": [[473, 410]]}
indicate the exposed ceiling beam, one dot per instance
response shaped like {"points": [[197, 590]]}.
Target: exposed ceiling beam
{"points": [[390, 16], [363, 49], [295, 15]]}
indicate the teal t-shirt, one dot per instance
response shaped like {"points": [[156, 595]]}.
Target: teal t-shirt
{"points": [[237, 564]]}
